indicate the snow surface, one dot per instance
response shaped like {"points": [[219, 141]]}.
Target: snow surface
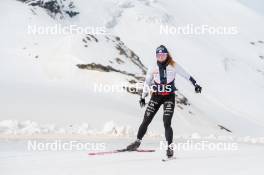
{"points": [[15, 159], [45, 96]]}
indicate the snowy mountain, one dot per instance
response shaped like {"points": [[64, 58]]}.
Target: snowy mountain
{"points": [[72, 72], [55, 8], [50, 78]]}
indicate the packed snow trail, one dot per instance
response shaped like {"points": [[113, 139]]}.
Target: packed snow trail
{"points": [[15, 159]]}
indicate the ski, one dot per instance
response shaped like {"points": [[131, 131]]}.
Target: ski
{"points": [[119, 151], [168, 159]]}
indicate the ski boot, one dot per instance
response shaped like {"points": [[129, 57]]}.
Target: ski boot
{"points": [[169, 152], [133, 146]]}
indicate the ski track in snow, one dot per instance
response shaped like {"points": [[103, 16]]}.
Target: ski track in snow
{"points": [[247, 160]]}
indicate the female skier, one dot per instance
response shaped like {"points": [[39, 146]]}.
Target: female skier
{"points": [[160, 79]]}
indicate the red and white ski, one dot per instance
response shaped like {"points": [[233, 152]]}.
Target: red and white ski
{"points": [[119, 151]]}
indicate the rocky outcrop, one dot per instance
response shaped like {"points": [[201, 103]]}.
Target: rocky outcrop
{"points": [[55, 8]]}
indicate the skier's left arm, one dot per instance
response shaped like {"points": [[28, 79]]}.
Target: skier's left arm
{"points": [[181, 71]]}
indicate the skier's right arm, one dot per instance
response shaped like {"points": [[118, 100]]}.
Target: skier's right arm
{"points": [[147, 83]]}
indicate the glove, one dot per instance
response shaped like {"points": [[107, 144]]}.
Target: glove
{"points": [[198, 88], [142, 102]]}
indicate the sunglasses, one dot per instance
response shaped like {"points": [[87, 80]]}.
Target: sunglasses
{"points": [[161, 55]]}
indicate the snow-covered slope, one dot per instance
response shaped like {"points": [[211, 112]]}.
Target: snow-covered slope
{"points": [[40, 79], [256, 5]]}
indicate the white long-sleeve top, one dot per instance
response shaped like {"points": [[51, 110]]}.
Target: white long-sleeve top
{"points": [[153, 75]]}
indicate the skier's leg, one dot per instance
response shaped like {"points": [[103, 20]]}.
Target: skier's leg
{"points": [[168, 107], [153, 107]]}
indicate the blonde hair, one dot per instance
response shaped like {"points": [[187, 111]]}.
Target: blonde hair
{"points": [[170, 60]]}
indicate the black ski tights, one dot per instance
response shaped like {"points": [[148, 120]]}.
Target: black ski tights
{"points": [[154, 104]]}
